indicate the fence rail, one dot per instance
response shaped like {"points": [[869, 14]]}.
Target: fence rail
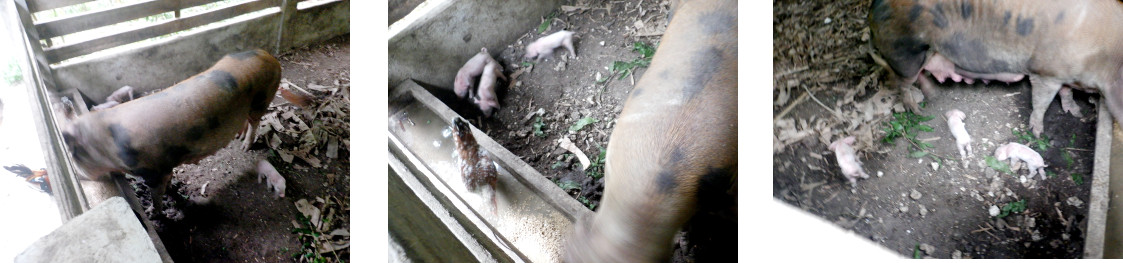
{"points": [[63, 26]]}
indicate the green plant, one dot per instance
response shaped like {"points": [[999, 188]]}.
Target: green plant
{"points": [[1028, 139], [1013, 207], [596, 169], [1078, 178], [587, 203], [13, 74], [546, 22], [567, 185], [624, 68], [582, 123], [527, 64], [538, 124], [916, 251], [1068, 158], [998, 165], [908, 125]]}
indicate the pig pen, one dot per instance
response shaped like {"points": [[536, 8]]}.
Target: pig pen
{"points": [[826, 87], [225, 214], [543, 100]]}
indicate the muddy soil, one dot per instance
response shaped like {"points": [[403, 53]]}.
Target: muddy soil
{"points": [[556, 92], [932, 206], [238, 219]]}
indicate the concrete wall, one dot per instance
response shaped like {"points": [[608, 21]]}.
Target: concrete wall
{"points": [[162, 65], [432, 49]]}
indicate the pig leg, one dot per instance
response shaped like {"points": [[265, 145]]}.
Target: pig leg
{"points": [[926, 86], [568, 43], [157, 187], [1067, 104], [1044, 90]]}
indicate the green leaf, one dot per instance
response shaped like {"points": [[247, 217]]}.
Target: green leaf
{"points": [[916, 252], [1068, 158], [1000, 166], [1051, 174], [918, 154], [926, 118], [1078, 178], [644, 50], [556, 165], [582, 123], [546, 22], [527, 64], [568, 185], [1072, 141], [538, 124], [925, 145], [924, 128]]}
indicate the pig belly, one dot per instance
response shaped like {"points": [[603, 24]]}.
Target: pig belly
{"points": [[677, 131]]}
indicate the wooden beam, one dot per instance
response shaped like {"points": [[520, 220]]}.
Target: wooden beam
{"points": [[73, 24], [61, 53], [40, 5]]}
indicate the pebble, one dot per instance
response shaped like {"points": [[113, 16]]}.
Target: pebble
{"points": [[1074, 201], [935, 166], [923, 211], [916, 195], [994, 210], [928, 249], [879, 174], [956, 254], [904, 209]]}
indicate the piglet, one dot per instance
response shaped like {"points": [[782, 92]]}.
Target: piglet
{"points": [[962, 139], [544, 47], [273, 179], [1016, 151], [847, 160], [474, 67], [486, 99], [122, 95]]}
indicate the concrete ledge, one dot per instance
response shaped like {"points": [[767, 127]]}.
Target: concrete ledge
{"points": [[109, 232], [1098, 198]]}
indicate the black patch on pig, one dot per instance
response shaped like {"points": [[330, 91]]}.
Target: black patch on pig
{"points": [[1006, 18], [966, 8], [707, 64], [213, 123], [244, 55], [121, 138], [260, 101], [881, 11], [177, 153], [906, 55], [1060, 16], [939, 19], [666, 180], [636, 92], [76, 150], [712, 187], [973, 55], [716, 22], [194, 133], [1025, 26], [914, 13], [223, 79]]}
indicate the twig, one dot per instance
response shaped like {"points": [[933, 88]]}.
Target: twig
{"points": [[790, 71], [801, 99], [832, 111], [1062, 216], [1077, 149]]}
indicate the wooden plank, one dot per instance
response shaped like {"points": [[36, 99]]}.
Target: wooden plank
{"points": [[40, 5], [61, 53], [68, 25]]}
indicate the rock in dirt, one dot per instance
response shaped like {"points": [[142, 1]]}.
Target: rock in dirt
{"points": [[928, 249], [1074, 201], [994, 210], [904, 208], [956, 254], [915, 195]]}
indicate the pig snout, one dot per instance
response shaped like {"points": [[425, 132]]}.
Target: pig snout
{"points": [[674, 144], [151, 135]]}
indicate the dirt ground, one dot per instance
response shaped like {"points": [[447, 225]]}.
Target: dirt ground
{"points": [[237, 219], [930, 206], [564, 89]]}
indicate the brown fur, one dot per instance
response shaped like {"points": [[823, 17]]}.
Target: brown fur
{"points": [[184, 123], [678, 126]]}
